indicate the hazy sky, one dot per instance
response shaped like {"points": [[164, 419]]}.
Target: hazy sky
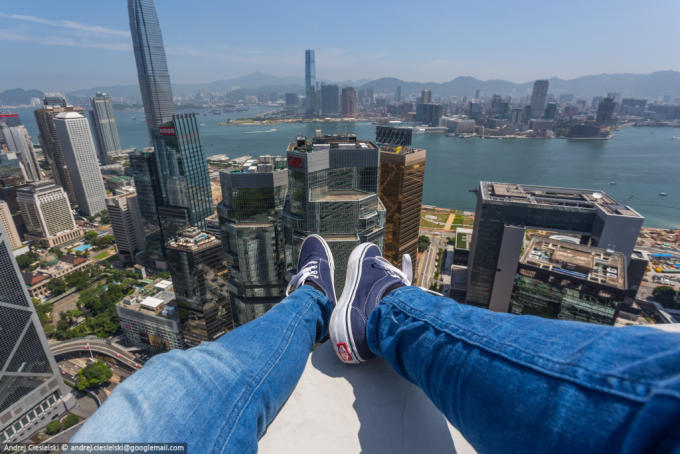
{"points": [[68, 44]]}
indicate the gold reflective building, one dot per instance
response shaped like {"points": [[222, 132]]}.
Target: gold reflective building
{"points": [[402, 172]]}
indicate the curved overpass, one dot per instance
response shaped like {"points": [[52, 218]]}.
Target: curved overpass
{"points": [[85, 346]]}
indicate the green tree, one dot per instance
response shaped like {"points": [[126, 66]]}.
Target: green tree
{"points": [[423, 242], [27, 259], [71, 420], [91, 236], [53, 428], [57, 252], [56, 286], [104, 216], [93, 375], [451, 241], [104, 241], [78, 279], [665, 295]]}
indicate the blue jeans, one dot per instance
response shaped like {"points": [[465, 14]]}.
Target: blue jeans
{"points": [[507, 383]]}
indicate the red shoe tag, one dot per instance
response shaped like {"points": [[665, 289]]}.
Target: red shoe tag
{"points": [[343, 351]]}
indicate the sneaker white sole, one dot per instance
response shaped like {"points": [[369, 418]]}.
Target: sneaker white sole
{"points": [[339, 332]]}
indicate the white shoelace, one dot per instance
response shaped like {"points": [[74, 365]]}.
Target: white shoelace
{"points": [[311, 269]]}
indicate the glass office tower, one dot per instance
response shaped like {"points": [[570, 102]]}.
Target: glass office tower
{"points": [[252, 238], [310, 82], [333, 192], [183, 171], [31, 388]]}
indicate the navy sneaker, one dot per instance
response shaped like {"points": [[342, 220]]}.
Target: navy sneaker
{"points": [[369, 277], [315, 267]]}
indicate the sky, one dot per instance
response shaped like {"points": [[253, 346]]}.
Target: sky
{"points": [[64, 45]]}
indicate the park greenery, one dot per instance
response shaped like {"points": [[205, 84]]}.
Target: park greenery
{"points": [[53, 427], [56, 426], [93, 375], [423, 242], [666, 296], [28, 259]]}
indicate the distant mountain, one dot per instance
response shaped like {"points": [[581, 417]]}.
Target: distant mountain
{"points": [[654, 85], [657, 84], [18, 97]]}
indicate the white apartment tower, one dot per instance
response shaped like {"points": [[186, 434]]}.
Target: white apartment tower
{"points": [[18, 141], [73, 131], [126, 221], [47, 213]]}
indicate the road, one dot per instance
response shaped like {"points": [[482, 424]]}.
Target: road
{"points": [[84, 346], [428, 261]]}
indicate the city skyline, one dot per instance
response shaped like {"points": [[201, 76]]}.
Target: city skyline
{"points": [[93, 39]]}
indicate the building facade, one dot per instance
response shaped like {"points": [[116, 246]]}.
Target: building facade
{"points": [[557, 279], [349, 101], [330, 95], [310, 83], [126, 222], [105, 128], [77, 146], [50, 143], [196, 264], [152, 321], [11, 233], [33, 392], [145, 173], [47, 214], [539, 97], [152, 66], [505, 210], [252, 239], [18, 141], [333, 192], [402, 173], [183, 178]]}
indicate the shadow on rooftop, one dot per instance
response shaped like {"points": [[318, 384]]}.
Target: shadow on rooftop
{"points": [[395, 415]]}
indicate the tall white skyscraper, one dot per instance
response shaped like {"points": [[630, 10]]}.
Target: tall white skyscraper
{"points": [[104, 125], [126, 222], [31, 389], [73, 131], [539, 97], [18, 141]]}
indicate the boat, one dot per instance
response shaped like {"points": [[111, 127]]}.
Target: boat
{"points": [[663, 194], [134, 118], [612, 183], [676, 137]]}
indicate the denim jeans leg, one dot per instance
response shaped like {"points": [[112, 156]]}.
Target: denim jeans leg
{"points": [[218, 397], [527, 384]]}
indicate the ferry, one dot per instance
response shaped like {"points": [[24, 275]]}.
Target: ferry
{"points": [[612, 183], [663, 194]]}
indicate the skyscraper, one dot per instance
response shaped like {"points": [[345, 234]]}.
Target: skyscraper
{"points": [[605, 112], [47, 214], [152, 67], [196, 263], [144, 172], [505, 210], [330, 94], [126, 222], [31, 389], [18, 141], [104, 125], [310, 82], [349, 101], [50, 144], [252, 239], [333, 192], [77, 146], [402, 172], [539, 96], [7, 222], [397, 95], [184, 179]]}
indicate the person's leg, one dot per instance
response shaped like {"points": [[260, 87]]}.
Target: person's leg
{"points": [[521, 383], [222, 395]]}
